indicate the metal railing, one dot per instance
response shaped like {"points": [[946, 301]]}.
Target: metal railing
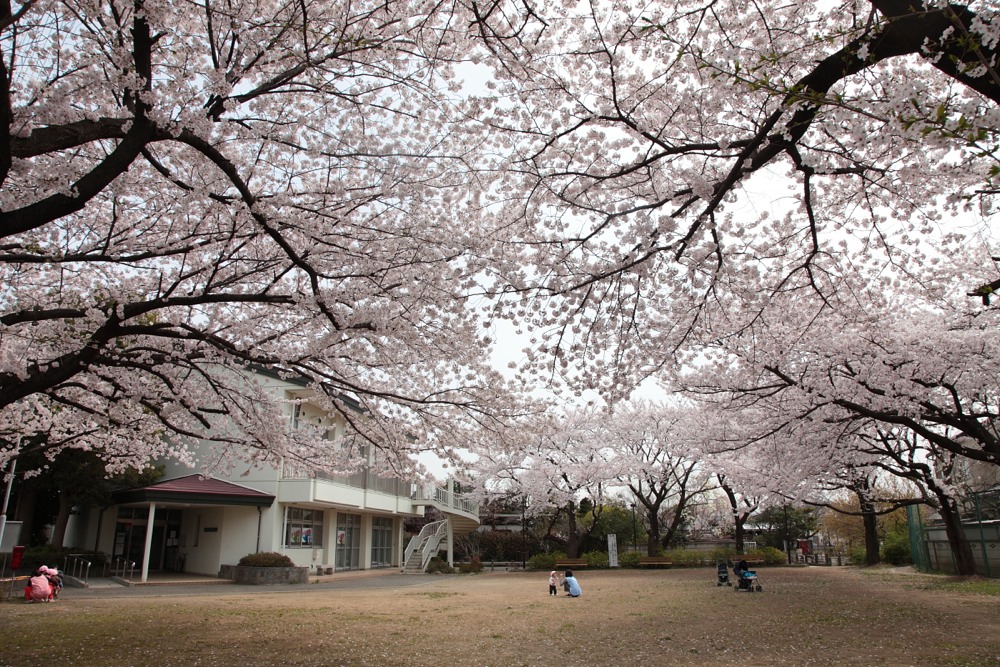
{"points": [[448, 499], [364, 479], [123, 569], [77, 566], [393, 486]]}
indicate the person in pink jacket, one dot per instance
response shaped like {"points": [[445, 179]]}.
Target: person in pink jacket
{"points": [[38, 587]]}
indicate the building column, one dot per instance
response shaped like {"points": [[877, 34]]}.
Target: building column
{"points": [[149, 542], [451, 544]]}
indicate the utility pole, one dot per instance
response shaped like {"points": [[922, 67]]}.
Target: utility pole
{"points": [[6, 500], [635, 546]]}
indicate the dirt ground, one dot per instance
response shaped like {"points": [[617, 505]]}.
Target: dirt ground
{"points": [[804, 616]]}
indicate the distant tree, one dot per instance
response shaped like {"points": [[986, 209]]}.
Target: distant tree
{"points": [[50, 488], [563, 472], [615, 519], [932, 470], [657, 447], [781, 526]]}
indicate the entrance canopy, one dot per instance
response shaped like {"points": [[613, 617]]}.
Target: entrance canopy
{"points": [[188, 491], [194, 490]]}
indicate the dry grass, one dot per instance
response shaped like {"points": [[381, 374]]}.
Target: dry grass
{"points": [[805, 616]]}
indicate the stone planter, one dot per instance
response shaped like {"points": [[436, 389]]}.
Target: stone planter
{"points": [[264, 576]]}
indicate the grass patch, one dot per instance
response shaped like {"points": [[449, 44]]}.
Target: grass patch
{"points": [[832, 616], [435, 595], [973, 586]]}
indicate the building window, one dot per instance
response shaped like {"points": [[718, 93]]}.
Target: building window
{"points": [[381, 542], [304, 528]]}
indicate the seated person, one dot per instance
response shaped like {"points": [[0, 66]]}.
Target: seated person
{"points": [[571, 585]]}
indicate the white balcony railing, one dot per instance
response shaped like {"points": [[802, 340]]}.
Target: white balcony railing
{"points": [[364, 479], [446, 499], [393, 486]]}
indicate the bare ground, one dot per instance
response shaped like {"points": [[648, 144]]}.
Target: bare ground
{"points": [[804, 616]]}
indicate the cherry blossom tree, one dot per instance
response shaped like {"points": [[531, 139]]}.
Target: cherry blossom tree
{"points": [[765, 192], [661, 464], [932, 373], [189, 190], [931, 469], [907, 385], [741, 507], [681, 164], [871, 498], [563, 470]]}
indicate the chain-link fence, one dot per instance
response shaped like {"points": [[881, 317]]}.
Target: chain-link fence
{"points": [[980, 514]]}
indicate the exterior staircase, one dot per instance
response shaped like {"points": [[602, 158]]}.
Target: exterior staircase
{"points": [[424, 546], [414, 564]]}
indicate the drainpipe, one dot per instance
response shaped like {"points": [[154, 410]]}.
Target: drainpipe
{"points": [[260, 518], [100, 521]]}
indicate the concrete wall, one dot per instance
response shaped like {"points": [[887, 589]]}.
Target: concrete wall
{"points": [[202, 546]]}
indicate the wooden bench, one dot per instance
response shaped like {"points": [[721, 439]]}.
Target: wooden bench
{"points": [[654, 561], [563, 563]]}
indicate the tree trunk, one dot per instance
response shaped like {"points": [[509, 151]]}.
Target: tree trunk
{"points": [[961, 549], [739, 519], [870, 520], [574, 539], [653, 536]]}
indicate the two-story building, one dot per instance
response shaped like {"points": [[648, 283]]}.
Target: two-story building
{"points": [[196, 523]]}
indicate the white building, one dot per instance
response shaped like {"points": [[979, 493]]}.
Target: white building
{"points": [[195, 523]]}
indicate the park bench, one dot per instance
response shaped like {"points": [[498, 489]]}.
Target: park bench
{"points": [[571, 562], [654, 561]]}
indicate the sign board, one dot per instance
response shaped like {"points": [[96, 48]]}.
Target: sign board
{"points": [[612, 550]]}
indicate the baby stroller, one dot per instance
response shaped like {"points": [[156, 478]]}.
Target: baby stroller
{"points": [[722, 574], [746, 579]]}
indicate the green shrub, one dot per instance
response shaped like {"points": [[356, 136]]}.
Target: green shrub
{"points": [[439, 566], [687, 557], [596, 559], [54, 557], [474, 566], [266, 559], [770, 555], [721, 555], [896, 548], [629, 559], [858, 555], [545, 561]]}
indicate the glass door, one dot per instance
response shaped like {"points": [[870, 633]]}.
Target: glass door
{"points": [[348, 541]]}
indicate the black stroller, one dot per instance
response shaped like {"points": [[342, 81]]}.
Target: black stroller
{"points": [[722, 574], [746, 579]]}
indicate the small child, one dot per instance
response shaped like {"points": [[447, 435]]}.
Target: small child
{"points": [[52, 574], [553, 580]]}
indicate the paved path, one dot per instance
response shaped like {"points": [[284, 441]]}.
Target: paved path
{"points": [[99, 588]]}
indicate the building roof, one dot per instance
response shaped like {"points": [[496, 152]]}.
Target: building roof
{"points": [[195, 490]]}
